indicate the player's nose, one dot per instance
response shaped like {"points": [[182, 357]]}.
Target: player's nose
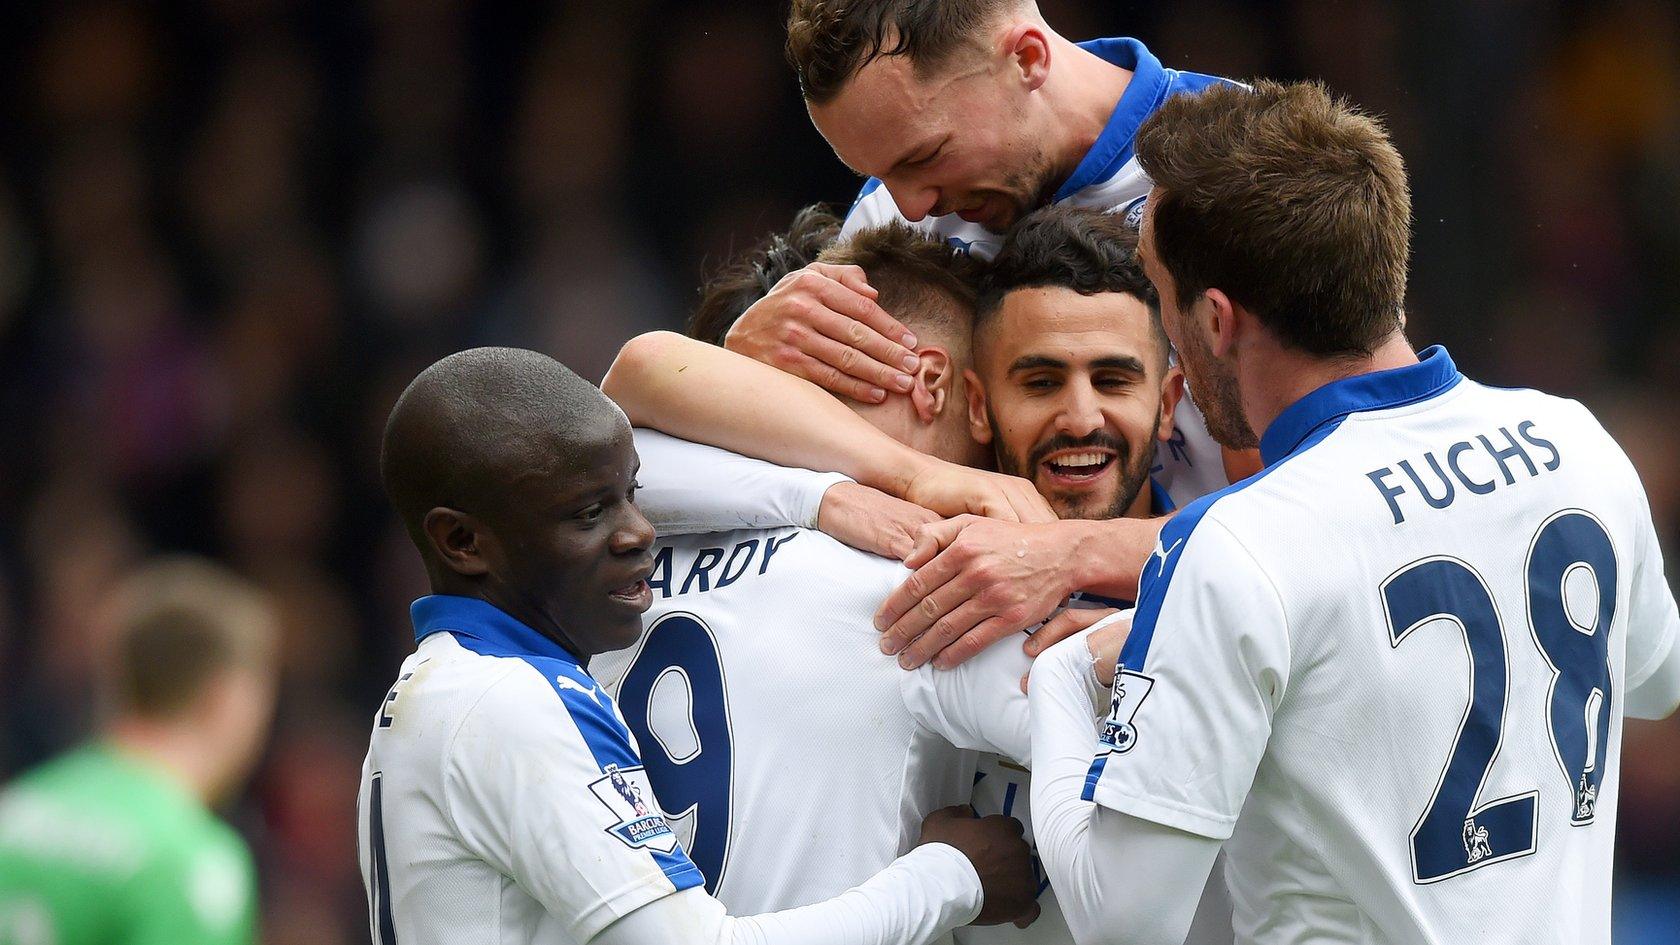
{"points": [[634, 535], [914, 202], [1081, 413]]}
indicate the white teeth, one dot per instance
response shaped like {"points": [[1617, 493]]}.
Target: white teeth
{"points": [[1081, 459]]}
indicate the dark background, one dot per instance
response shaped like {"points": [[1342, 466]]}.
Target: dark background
{"points": [[230, 232]]}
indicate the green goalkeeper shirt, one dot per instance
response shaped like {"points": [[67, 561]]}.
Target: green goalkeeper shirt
{"points": [[100, 849]]}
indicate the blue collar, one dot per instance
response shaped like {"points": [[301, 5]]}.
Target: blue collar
{"points": [[1144, 92], [1434, 374], [1159, 502], [498, 632]]}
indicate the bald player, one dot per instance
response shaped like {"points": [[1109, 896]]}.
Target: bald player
{"points": [[503, 798]]}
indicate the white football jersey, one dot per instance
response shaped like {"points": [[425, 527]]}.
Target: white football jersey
{"points": [[795, 759], [502, 799], [1191, 464], [1391, 669]]}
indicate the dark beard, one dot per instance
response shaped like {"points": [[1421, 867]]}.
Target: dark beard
{"points": [[1134, 470]]}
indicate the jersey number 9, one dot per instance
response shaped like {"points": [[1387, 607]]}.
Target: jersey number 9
{"points": [[673, 699]]}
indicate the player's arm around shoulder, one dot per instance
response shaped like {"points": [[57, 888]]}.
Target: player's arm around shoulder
{"points": [[977, 706], [689, 488]]}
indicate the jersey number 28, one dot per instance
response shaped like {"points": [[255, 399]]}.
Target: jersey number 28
{"points": [[673, 698], [1459, 832]]}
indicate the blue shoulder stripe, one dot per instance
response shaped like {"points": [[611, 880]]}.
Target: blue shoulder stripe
{"points": [[591, 710], [1157, 575]]}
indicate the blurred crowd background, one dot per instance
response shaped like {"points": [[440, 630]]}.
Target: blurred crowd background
{"points": [[231, 231]]}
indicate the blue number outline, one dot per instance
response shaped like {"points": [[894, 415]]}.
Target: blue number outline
{"points": [[1398, 635], [639, 723], [382, 918], [1606, 621]]}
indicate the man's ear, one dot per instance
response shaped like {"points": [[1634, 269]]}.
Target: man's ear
{"points": [[1028, 51], [1219, 319], [457, 539], [935, 382], [1172, 388], [979, 428]]}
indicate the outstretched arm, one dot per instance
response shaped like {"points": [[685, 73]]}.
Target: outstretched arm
{"points": [[700, 392], [689, 488]]}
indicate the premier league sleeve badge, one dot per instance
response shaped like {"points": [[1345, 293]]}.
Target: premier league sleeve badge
{"points": [[1118, 733], [629, 797]]}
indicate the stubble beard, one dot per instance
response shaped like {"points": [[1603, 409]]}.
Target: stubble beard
{"points": [[1134, 474], [1215, 391]]}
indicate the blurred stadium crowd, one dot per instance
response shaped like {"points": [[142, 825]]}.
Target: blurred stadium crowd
{"points": [[231, 231]]}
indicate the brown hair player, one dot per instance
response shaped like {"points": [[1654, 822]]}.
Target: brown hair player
{"points": [[1387, 674]]}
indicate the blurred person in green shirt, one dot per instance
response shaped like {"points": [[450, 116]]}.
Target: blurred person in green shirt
{"points": [[114, 843]]}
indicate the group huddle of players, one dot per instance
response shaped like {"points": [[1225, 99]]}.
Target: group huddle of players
{"points": [[1067, 545]]}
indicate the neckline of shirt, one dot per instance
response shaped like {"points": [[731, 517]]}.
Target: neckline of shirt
{"points": [[501, 633], [1433, 374], [1143, 94]]}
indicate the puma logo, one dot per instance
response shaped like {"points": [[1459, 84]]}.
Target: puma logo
{"points": [[1163, 554], [593, 692]]}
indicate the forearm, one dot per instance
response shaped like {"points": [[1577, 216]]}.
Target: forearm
{"points": [[1112, 555], [701, 392], [919, 897], [687, 488], [1089, 851]]}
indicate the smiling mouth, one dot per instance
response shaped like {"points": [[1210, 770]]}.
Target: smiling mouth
{"points": [[1074, 467]]}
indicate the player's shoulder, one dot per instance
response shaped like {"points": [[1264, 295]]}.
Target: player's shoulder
{"points": [[850, 565], [1203, 531], [538, 699], [874, 207], [449, 689], [1538, 404]]}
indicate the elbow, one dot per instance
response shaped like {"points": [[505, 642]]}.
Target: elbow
{"points": [[633, 370]]}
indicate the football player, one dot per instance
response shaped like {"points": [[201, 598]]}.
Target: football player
{"points": [[502, 796], [1388, 674]]}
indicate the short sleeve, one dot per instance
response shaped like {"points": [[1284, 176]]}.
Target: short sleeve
{"points": [[1653, 621], [542, 782], [1200, 677], [978, 706], [689, 488]]}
